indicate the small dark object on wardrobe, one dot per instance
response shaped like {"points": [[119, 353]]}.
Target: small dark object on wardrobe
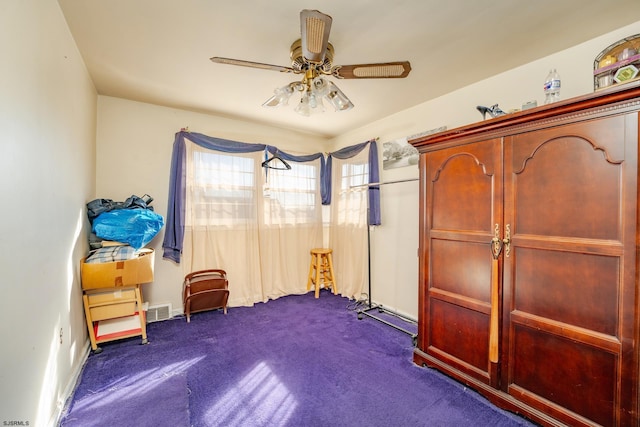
{"points": [[494, 111]]}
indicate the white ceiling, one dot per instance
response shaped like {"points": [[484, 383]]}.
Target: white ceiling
{"points": [[157, 51]]}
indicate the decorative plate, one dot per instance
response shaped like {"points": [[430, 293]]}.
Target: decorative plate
{"points": [[625, 73]]}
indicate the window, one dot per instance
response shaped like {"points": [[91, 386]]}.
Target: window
{"points": [[354, 178], [221, 189], [225, 189], [292, 196]]}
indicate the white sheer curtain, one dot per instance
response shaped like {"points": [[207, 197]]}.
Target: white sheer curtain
{"points": [[348, 224], [257, 226], [291, 226]]}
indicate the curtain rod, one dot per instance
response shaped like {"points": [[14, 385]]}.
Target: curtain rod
{"points": [[385, 182]]}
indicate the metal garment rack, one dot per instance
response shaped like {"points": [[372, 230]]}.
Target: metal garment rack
{"points": [[376, 307]]}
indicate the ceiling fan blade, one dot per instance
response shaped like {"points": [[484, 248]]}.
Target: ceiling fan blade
{"points": [[314, 30], [383, 70], [220, 60]]}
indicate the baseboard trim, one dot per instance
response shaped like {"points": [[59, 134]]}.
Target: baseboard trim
{"points": [[67, 393]]}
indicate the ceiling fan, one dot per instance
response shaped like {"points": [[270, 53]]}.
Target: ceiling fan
{"points": [[312, 56]]}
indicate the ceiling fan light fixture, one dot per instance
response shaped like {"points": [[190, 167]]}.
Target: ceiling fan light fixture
{"points": [[303, 108], [338, 99], [313, 91], [320, 86], [281, 96], [315, 102], [310, 103]]}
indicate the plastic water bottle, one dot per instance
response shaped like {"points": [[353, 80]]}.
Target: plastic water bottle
{"points": [[552, 87]]}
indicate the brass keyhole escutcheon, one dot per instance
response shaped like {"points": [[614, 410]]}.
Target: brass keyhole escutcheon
{"points": [[496, 243], [507, 240]]}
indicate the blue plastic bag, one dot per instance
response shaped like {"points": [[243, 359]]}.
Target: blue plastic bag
{"points": [[135, 227]]}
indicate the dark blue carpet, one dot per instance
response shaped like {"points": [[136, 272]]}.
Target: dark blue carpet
{"points": [[294, 361]]}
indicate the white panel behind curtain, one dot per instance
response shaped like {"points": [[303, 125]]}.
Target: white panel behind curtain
{"points": [[348, 225], [258, 228]]}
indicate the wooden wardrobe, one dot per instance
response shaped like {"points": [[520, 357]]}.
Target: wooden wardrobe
{"points": [[529, 259]]}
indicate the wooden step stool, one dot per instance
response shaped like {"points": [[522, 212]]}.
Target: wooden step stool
{"points": [[321, 271]]}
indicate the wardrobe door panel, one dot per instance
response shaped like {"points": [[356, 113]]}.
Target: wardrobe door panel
{"points": [[461, 268], [567, 174], [570, 200], [577, 376], [463, 208], [568, 287], [457, 333], [462, 189]]}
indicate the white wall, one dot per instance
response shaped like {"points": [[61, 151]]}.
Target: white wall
{"points": [[134, 144], [47, 138], [395, 283]]}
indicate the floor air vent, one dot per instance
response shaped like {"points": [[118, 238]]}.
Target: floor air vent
{"points": [[156, 313]]}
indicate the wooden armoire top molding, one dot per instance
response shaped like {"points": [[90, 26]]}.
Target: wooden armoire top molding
{"points": [[613, 100]]}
